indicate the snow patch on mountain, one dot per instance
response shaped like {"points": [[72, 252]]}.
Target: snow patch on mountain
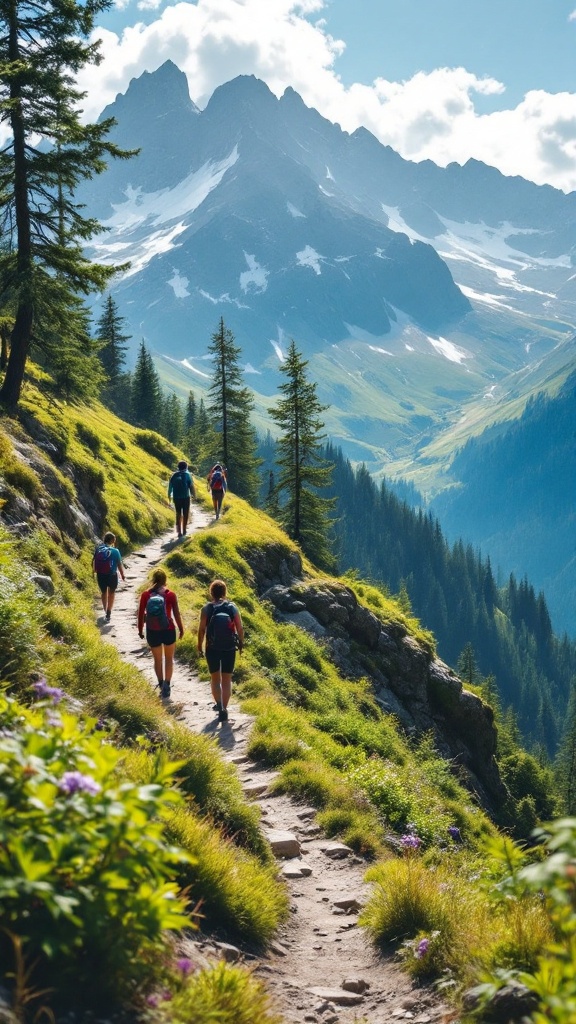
{"points": [[486, 297], [255, 277], [397, 223], [448, 349], [308, 257], [225, 297], [294, 211], [179, 284], [384, 351], [127, 233]]}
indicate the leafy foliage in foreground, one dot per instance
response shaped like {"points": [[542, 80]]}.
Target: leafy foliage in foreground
{"points": [[85, 868]]}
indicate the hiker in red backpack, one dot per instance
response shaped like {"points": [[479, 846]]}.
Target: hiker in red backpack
{"points": [[217, 484], [159, 609], [107, 563], [221, 624]]}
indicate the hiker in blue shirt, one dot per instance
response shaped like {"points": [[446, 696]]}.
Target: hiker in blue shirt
{"points": [[181, 487], [107, 563]]}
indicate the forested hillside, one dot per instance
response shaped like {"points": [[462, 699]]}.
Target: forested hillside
{"points": [[516, 498], [453, 591]]}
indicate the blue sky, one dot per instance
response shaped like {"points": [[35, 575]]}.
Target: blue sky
{"points": [[439, 79]]}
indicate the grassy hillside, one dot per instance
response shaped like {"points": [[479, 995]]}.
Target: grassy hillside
{"points": [[88, 757]]}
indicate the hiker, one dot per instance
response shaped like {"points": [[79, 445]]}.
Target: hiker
{"points": [[217, 484], [221, 624], [181, 485], [159, 609], [107, 563]]}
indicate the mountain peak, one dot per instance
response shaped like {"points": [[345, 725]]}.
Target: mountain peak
{"points": [[160, 92]]}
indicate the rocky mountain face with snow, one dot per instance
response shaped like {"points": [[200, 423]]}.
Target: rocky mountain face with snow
{"points": [[415, 291], [431, 302]]}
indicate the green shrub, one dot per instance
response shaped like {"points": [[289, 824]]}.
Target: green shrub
{"points": [[84, 865], [222, 995], [22, 478], [88, 438], [156, 446]]}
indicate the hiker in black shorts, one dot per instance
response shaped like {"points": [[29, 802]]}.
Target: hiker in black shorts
{"points": [[221, 624], [107, 563], [158, 608], [181, 485]]}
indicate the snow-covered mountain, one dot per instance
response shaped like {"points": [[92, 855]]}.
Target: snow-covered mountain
{"points": [[415, 291]]}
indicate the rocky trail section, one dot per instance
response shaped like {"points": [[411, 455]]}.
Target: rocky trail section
{"points": [[322, 967]]}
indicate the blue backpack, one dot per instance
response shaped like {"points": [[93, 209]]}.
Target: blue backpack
{"points": [[156, 614], [221, 632]]}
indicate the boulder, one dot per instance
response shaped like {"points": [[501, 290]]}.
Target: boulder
{"points": [[283, 843]]}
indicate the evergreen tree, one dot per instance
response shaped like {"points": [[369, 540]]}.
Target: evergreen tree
{"points": [[43, 46], [302, 469], [231, 405], [190, 413], [466, 666], [112, 342], [173, 419], [146, 395], [566, 762], [202, 441]]}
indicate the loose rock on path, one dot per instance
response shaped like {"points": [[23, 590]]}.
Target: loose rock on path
{"points": [[322, 967]]}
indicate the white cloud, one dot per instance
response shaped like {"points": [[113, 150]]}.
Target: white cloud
{"points": [[432, 115]]}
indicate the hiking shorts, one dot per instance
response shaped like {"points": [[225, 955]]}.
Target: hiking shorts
{"points": [[217, 495], [182, 506], [107, 581], [158, 637], [220, 661]]}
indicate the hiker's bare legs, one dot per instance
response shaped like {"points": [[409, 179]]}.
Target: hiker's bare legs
{"points": [[104, 598], [216, 686], [168, 662], [226, 688], [157, 655], [111, 596], [221, 686]]}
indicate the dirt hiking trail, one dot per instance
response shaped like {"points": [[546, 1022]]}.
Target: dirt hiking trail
{"points": [[322, 967]]}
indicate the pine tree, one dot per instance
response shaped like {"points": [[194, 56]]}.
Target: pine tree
{"points": [[190, 413], [173, 419], [231, 406], [302, 470], [146, 395], [112, 341], [42, 263], [202, 442], [466, 667]]}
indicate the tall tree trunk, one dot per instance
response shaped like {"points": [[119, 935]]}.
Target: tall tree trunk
{"points": [[4, 335], [19, 348], [22, 331]]}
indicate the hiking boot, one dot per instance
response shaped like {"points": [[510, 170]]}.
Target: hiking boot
{"points": [[108, 613], [222, 715], [217, 706], [165, 689]]}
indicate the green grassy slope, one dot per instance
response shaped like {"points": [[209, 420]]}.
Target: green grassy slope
{"points": [[333, 743]]}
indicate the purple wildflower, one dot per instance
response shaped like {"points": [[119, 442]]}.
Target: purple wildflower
{"points": [[185, 966], [152, 1000], [76, 782], [42, 689], [410, 842], [422, 948], [166, 996], [454, 833]]}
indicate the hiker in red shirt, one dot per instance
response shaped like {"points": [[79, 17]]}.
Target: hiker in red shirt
{"points": [[159, 609]]}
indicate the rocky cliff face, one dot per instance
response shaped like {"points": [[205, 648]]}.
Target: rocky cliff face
{"points": [[410, 683]]}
